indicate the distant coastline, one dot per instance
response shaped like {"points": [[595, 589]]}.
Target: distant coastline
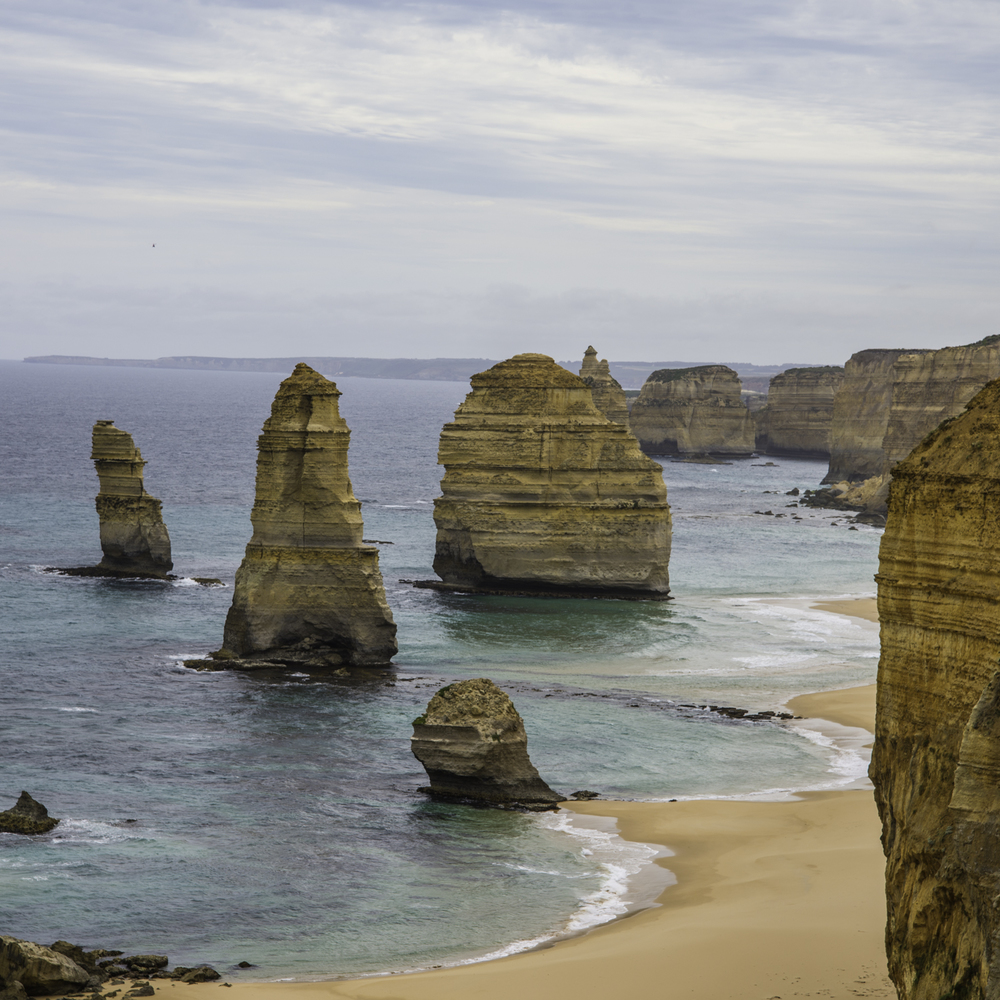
{"points": [[630, 374]]}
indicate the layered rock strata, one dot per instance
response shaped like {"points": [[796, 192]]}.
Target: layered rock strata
{"points": [[27, 816], [308, 590], [134, 538], [543, 494], [799, 413], [609, 396], [693, 412], [472, 743], [936, 763]]}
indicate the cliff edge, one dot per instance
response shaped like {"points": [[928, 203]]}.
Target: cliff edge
{"points": [[798, 415]]}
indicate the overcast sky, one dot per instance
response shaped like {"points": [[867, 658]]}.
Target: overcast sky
{"points": [[747, 180]]}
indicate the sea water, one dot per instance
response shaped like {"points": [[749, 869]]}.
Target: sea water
{"points": [[276, 819]]}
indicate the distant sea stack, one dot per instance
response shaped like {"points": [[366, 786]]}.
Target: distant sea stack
{"points": [[693, 412], [799, 413], [936, 762], [609, 396], [308, 591], [543, 494], [472, 743]]}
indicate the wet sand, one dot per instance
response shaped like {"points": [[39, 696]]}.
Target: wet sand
{"points": [[854, 607]]}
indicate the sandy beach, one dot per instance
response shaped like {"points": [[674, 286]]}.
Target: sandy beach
{"points": [[773, 900]]}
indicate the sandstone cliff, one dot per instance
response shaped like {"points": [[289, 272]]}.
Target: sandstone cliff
{"points": [[799, 412], [308, 591], [693, 411], [609, 396], [936, 764], [542, 493], [472, 743], [134, 538]]}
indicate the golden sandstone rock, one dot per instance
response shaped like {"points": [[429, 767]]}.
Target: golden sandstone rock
{"points": [[308, 591], [609, 397], [797, 418], [693, 412], [936, 763], [542, 493], [134, 538]]}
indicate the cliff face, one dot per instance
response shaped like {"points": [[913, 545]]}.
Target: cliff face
{"points": [[936, 764], [134, 538], [799, 412], [542, 492], [693, 411], [308, 591], [609, 397], [473, 746]]}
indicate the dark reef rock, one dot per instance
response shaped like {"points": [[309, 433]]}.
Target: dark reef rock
{"points": [[473, 746], [27, 816]]}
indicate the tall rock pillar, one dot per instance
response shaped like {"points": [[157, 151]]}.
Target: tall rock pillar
{"points": [[609, 397], [308, 591]]}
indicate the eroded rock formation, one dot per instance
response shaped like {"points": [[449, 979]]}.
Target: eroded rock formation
{"points": [[308, 590], [609, 397], [693, 412], [936, 763], [134, 538], [542, 493], [40, 970], [27, 816], [799, 413], [472, 743]]}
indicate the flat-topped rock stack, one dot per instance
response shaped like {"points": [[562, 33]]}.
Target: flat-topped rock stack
{"points": [[799, 413], [308, 591], [472, 743], [936, 763], [609, 396], [693, 412], [542, 493], [134, 538]]}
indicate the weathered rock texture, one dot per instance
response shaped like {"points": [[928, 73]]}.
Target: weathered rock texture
{"points": [[40, 970], [473, 746], [692, 412], [609, 396], [134, 538], [542, 493], [308, 590], [936, 764], [27, 816], [797, 418]]}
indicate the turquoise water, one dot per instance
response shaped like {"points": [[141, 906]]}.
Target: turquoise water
{"points": [[276, 819]]}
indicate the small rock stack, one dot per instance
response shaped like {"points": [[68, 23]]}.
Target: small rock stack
{"points": [[27, 817], [609, 397]]}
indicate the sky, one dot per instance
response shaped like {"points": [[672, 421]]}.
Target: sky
{"points": [[765, 181]]}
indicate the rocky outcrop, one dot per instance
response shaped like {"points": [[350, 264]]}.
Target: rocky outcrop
{"points": [[936, 763], [308, 591], [797, 418], [609, 396], [472, 743], [40, 970], [693, 412], [543, 494], [27, 816]]}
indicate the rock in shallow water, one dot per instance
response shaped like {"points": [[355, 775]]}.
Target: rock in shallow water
{"points": [[473, 746], [27, 816]]}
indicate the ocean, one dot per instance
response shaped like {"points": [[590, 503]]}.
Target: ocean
{"points": [[275, 819]]}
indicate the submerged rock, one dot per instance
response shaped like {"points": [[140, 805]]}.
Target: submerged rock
{"points": [[308, 591], [27, 816], [473, 746], [799, 413], [691, 412], [40, 970], [609, 396], [936, 761], [543, 494]]}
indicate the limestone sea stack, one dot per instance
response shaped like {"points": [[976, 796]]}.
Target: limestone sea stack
{"points": [[693, 412], [936, 762], [308, 590], [542, 493], [609, 396], [472, 743], [797, 418], [134, 538]]}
